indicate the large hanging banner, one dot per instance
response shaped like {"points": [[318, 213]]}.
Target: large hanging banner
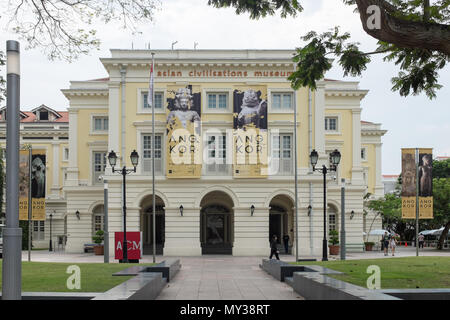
{"points": [[425, 184], [184, 143], [250, 136], [24, 184], [409, 183], [38, 186]]}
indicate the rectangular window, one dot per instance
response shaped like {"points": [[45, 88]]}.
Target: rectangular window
{"points": [[98, 222], [282, 153], [38, 230], [147, 153], [43, 115], [217, 100], [101, 124], [66, 154], [217, 155], [158, 100], [363, 153], [332, 222], [99, 166], [282, 101], [331, 123]]}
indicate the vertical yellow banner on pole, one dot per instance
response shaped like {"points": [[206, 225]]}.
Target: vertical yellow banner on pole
{"points": [[38, 184], [425, 183], [24, 183], [409, 184]]}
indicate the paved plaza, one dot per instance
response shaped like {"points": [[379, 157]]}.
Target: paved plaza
{"points": [[222, 277]]}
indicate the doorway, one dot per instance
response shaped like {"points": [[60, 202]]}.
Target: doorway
{"points": [[147, 225]]}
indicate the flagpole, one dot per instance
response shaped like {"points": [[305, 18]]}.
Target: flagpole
{"points": [[153, 156]]}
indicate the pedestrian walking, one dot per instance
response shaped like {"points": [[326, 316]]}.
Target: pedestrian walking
{"points": [[286, 243], [393, 244], [421, 240], [386, 243], [274, 248]]}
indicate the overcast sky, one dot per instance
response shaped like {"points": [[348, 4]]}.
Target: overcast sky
{"points": [[411, 122]]}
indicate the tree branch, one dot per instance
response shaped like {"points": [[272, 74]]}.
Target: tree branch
{"points": [[405, 33]]}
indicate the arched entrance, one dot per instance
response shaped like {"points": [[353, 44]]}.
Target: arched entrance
{"points": [[147, 224], [281, 221], [216, 223]]}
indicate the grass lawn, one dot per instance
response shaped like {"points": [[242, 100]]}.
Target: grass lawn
{"points": [[410, 272], [52, 277]]}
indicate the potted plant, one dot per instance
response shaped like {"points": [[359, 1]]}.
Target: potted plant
{"points": [[369, 245], [334, 243], [98, 240]]}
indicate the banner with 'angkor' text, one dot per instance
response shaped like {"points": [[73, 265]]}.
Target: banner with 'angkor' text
{"points": [[24, 184], [38, 184], [425, 183], [250, 136], [183, 129], [417, 182]]}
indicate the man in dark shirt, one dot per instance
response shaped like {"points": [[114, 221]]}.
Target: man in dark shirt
{"points": [[274, 248], [286, 243]]}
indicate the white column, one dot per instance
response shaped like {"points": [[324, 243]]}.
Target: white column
{"points": [[251, 233], [182, 236], [72, 170], [379, 188], [114, 117], [319, 120], [55, 171], [357, 170]]}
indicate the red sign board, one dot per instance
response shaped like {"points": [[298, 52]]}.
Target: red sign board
{"points": [[134, 245]]}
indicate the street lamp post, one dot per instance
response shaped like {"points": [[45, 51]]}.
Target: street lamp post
{"points": [[335, 158], [112, 158], [12, 233]]}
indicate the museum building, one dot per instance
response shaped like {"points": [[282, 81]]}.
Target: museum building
{"points": [[215, 205]]}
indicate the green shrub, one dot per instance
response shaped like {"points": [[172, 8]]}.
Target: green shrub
{"points": [[334, 237], [99, 236]]}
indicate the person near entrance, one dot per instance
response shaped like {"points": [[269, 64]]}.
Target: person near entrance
{"points": [[286, 243], [421, 240], [386, 239], [274, 248]]}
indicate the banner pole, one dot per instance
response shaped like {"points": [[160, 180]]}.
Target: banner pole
{"points": [[417, 202]]}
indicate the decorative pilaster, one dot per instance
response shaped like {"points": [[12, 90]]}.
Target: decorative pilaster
{"points": [[251, 233], [182, 232], [72, 170], [357, 170]]}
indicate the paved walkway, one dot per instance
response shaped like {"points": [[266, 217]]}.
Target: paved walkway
{"points": [[225, 278]]}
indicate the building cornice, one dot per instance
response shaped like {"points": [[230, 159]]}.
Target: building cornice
{"points": [[68, 93]]}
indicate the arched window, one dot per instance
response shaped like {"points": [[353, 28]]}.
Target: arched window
{"points": [[98, 218]]}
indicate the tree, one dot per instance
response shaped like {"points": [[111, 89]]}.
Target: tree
{"points": [[441, 197], [414, 34], [2, 182], [61, 29]]}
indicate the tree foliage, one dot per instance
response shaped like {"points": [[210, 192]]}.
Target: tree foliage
{"points": [[63, 28], [2, 182], [390, 206], [413, 34]]}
